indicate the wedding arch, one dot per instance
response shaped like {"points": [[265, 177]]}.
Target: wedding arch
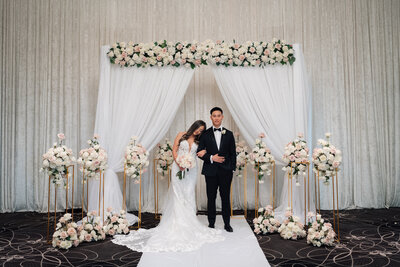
{"points": [[264, 85]]}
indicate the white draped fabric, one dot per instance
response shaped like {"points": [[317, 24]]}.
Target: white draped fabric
{"points": [[133, 101], [271, 100]]}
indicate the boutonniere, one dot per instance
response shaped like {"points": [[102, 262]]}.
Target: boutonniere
{"points": [[223, 131]]}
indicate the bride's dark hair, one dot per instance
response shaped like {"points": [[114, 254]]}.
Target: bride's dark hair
{"points": [[197, 124]]}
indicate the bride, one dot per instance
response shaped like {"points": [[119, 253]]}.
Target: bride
{"points": [[179, 228]]}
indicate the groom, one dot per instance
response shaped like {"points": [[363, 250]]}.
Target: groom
{"points": [[219, 165]]}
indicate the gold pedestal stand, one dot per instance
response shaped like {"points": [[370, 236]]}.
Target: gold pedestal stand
{"points": [[140, 198], [155, 176], [335, 200], [55, 200], [101, 192], [245, 194], [306, 189], [257, 189]]}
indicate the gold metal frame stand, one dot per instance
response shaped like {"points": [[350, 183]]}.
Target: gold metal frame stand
{"points": [[244, 191], [140, 198], [306, 189], [335, 201], [155, 176], [55, 201], [257, 189], [101, 192]]}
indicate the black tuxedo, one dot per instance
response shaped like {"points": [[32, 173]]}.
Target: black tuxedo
{"points": [[218, 174]]}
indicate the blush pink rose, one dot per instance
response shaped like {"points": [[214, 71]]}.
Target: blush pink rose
{"points": [[88, 237]]}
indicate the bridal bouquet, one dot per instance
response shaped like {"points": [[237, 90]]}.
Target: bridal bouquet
{"points": [[291, 227], [185, 161], [116, 223], [242, 156], [66, 234], [326, 159], [261, 158], [296, 157], [165, 158], [320, 232], [266, 222], [91, 228], [136, 159], [56, 161], [93, 159]]}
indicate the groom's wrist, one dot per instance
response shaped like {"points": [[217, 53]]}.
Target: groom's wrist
{"points": [[211, 159]]}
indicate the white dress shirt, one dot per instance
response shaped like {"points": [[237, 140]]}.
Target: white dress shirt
{"points": [[217, 135]]}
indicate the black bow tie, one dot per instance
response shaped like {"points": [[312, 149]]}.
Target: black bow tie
{"points": [[217, 129]]}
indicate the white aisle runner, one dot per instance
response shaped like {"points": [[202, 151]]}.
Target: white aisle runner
{"points": [[239, 248]]}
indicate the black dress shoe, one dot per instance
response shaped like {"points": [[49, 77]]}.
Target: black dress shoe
{"points": [[211, 225], [228, 228]]}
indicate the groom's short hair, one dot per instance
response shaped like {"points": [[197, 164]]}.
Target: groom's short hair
{"points": [[216, 109]]}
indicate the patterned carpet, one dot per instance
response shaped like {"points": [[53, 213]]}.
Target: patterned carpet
{"points": [[369, 238]]}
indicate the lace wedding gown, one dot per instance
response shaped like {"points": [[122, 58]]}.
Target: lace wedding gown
{"points": [[179, 228]]}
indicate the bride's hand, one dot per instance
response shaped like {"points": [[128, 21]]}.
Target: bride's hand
{"points": [[201, 153]]}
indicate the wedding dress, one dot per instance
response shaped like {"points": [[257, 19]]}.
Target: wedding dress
{"points": [[179, 228]]}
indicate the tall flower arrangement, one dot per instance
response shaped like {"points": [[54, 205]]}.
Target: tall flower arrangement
{"points": [[165, 158], [194, 54], [326, 159], [92, 160], [136, 159], [261, 158], [56, 161], [296, 157]]}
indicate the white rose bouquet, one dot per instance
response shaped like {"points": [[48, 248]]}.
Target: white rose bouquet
{"points": [[92, 160], [165, 158], [291, 227], [185, 161], [296, 157], [242, 156], [266, 222], [91, 228], [320, 232], [136, 159], [56, 161], [326, 159], [66, 234], [116, 223], [261, 158]]}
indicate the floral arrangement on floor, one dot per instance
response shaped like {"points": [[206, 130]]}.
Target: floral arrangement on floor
{"points": [[194, 54], [91, 228], [66, 234], [136, 159], [92, 160], [296, 155], [187, 162], [291, 227], [266, 222], [326, 159], [116, 223], [261, 158], [56, 161], [165, 158], [242, 156], [320, 232]]}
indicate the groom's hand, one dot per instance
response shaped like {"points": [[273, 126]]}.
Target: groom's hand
{"points": [[218, 159]]}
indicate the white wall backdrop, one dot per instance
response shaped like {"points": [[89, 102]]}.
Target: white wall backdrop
{"points": [[50, 72]]}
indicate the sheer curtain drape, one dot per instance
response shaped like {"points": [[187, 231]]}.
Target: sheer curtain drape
{"points": [[271, 100], [133, 101]]}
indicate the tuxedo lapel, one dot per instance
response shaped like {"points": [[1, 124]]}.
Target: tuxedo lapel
{"points": [[222, 139], [212, 136]]}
